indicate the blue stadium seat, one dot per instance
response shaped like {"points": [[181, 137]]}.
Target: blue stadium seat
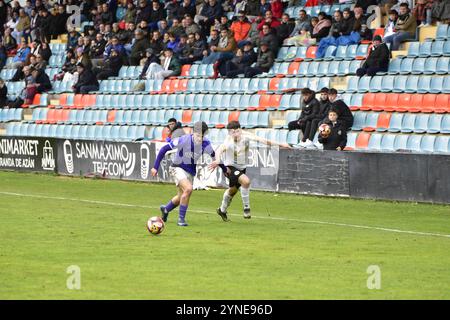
{"points": [[334, 69], [293, 137], [401, 142], [395, 66], [375, 142], [418, 66], [359, 121], [303, 69], [341, 53], [425, 49], [413, 50], [376, 84], [344, 68], [437, 49], [427, 143], [441, 32], [364, 84], [442, 144], [330, 53], [443, 65], [430, 66], [243, 118], [434, 123], [387, 83], [352, 84], [406, 66], [424, 84], [446, 51], [313, 68], [408, 123], [412, 83], [323, 69], [395, 124], [446, 85], [445, 124], [351, 52], [413, 143]]}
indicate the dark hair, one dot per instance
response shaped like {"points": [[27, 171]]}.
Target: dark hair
{"points": [[307, 91], [333, 110], [233, 125], [332, 91], [404, 4], [303, 10], [200, 125], [393, 12], [172, 120]]}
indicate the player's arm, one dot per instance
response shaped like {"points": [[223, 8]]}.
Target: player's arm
{"points": [[216, 161], [159, 158], [266, 141], [216, 158]]}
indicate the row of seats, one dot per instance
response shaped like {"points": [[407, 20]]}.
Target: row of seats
{"points": [[347, 52], [443, 32], [58, 48], [427, 49], [404, 102], [14, 88], [293, 11], [433, 65], [401, 122], [7, 115], [315, 68], [401, 83], [388, 142], [248, 119], [90, 132], [183, 101]]}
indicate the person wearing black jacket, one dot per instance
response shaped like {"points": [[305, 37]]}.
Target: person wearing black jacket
{"points": [[3, 94], [285, 28], [86, 80], [244, 58], [337, 139], [309, 112], [111, 67], [321, 115], [151, 57], [175, 129], [343, 111], [378, 59]]}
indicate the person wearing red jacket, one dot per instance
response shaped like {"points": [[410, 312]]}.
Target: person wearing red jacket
{"points": [[268, 19], [276, 6], [240, 27]]}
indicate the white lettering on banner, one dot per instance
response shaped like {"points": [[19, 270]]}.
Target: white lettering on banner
{"points": [[19, 147], [48, 160], [261, 158], [7, 162], [109, 159]]}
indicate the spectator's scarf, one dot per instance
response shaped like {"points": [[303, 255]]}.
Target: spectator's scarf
{"points": [[324, 23]]}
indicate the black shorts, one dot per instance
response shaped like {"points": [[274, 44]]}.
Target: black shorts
{"points": [[234, 176]]}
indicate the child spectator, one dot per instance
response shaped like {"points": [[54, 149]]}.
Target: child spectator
{"points": [[337, 138]]}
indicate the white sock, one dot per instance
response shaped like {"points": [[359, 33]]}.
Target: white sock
{"points": [[226, 201], [245, 195]]}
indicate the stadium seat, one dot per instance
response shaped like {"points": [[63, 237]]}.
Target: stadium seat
{"points": [[413, 50], [434, 123], [441, 32], [408, 123], [442, 144], [427, 143], [375, 142], [424, 84], [406, 65], [414, 142], [362, 141], [395, 66], [443, 65], [425, 49], [359, 120]]}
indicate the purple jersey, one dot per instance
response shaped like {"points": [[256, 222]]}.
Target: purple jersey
{"points": [[187, 153]]}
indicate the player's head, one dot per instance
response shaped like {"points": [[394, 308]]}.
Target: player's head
{"points": [[200, 129], [332, 94], [172, 123], [234, 129]]}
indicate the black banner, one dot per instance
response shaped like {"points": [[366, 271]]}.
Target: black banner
{"points": [[114, 160], [28, 154]]}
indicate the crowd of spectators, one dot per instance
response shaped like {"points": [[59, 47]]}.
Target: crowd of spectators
{"points": [[164, 35]]}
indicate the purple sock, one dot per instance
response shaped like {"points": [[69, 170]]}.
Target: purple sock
{"points": [[183, 210], [170, 206]]}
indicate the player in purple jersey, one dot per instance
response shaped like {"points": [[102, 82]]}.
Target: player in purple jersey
{"points": [[189, 148]]}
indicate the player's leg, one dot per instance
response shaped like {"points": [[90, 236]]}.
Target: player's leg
{"points": [[173, 203], [226, 201], [186, 188], [244, 181]]}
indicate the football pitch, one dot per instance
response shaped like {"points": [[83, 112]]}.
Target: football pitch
{"points": [[294, 247]]}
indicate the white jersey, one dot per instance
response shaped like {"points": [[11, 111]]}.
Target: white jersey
{"points": [[236, 153]]}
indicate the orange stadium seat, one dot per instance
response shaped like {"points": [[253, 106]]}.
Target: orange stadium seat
{"points": [[362, 141]]}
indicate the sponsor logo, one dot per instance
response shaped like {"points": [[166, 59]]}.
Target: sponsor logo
{"points": [[68, 156], [48, 160]]}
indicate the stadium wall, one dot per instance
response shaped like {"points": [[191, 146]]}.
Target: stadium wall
{"points": [[391, 176]]}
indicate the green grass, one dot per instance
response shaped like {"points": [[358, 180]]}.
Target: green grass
{"points": [[261, 258]]}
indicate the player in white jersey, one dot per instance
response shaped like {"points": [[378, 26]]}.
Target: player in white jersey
{"points": [[235, 154]]}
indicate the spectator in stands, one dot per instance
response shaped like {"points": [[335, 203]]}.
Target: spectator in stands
{"points": [[322, 28], [3, 56], [176, 28], [116, 45], [194, 49], [343, 111], [97, 49], [170, 67], [240, 27], [69, 67], [398, 3], [310, 110], [175, 129], [3, 15], [245, 57], [441, 11], [44, 25], [59, 20], [225, 48], [210, 11], [181, 48], [3, 93], [268, 20], [186, 8], [252, 8], [378, 59], [390, 26], [143, 11], [405, 28], [364, 4], [23, 25], [276, 6], [302, 39], [9, 42], [286, 27], [264, 61], [270, 37], [190, 27], [83, 57], [72, 39], [264, 6], [111, 67], [157, 13], [130, 14], [422, 12], [138, 49], [21, 55], [337, 139], [45, 51], [40, 83], [303, 22], [360, 26], [106, 17], [41, 64], [173, 41], [156, 43], [86, 80]]}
